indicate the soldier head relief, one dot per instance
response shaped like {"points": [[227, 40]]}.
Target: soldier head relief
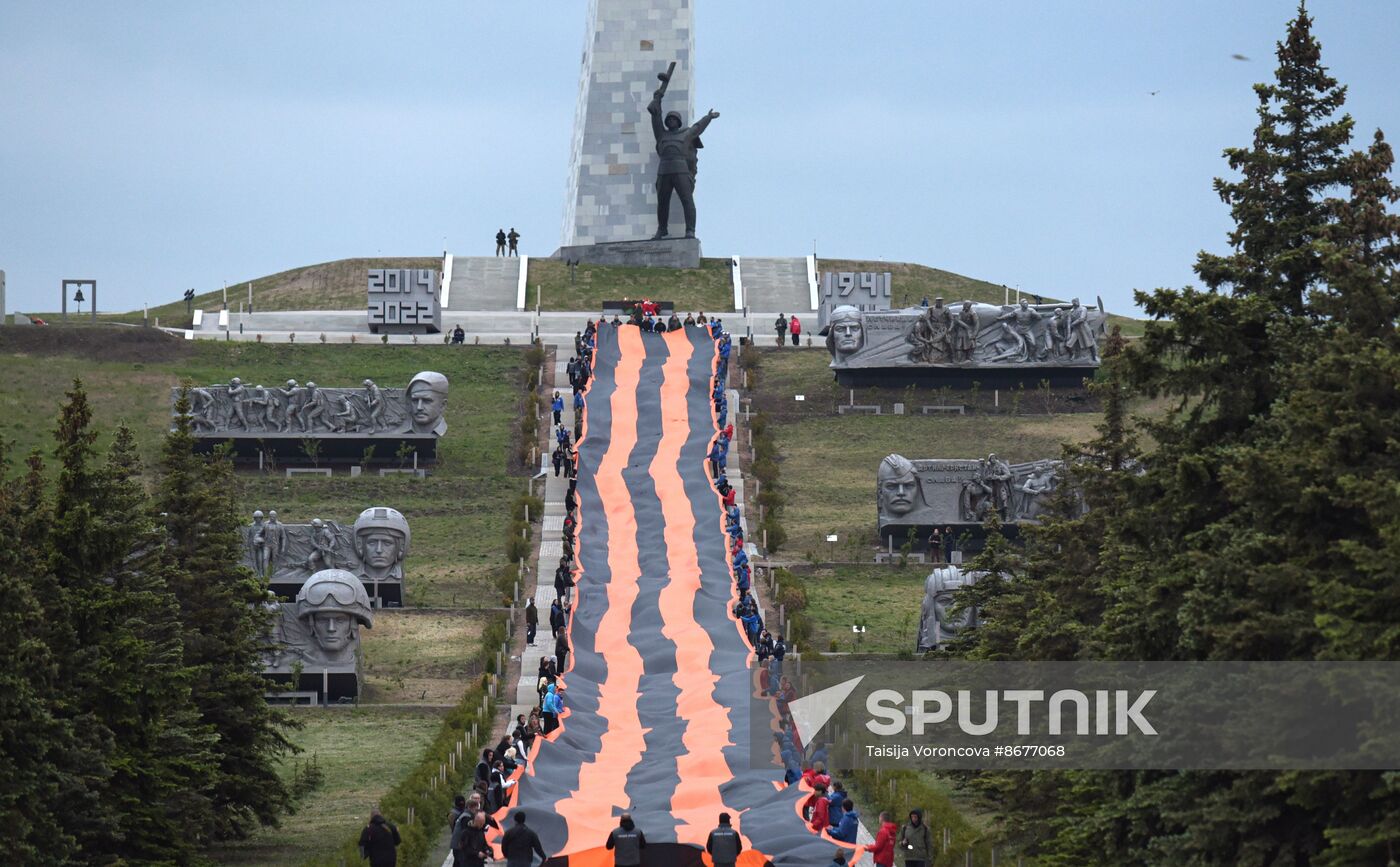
{"points": [[427, 399], [381, 542], [898, 485], [333, 605], [845, 331]]}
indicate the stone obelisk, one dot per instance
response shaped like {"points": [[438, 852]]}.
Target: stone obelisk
{"points": [[613, 162]]}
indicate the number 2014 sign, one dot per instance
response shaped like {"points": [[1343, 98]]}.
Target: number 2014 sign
{"points": [[404, 300]]}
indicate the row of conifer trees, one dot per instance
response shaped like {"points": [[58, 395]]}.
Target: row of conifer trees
{"points": [[133, 724]]}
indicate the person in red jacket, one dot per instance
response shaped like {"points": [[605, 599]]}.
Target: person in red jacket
{"points": [[820, 810], [882, 852], [794, 328], [816, 775]]}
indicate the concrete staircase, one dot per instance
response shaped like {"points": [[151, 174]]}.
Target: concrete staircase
{"points": [[483, 283], [775, 285]]}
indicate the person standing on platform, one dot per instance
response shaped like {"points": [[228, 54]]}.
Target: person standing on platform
{"points": [[781, 326], [935, 545], [795, 328], [532, 621], [514, 239], [500, 242]]}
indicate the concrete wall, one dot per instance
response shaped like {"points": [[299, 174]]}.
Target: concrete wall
{"points": [[612, 163]]}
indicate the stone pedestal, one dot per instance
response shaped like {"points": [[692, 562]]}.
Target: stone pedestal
{"points": [[666, 253]]}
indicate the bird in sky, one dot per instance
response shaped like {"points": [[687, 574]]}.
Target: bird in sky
{"points": [[1238, 57], [1153, 92]]}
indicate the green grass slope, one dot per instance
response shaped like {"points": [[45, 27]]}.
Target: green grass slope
{"points": [[362, 753], [707, 288], [338, 285]]}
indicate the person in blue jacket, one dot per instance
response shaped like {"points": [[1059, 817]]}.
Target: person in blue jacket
{"points": [[753, 624], [558, 406], [578, 401], [850, 823]]}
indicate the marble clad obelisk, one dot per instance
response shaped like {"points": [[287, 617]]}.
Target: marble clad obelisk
{"points": [[612, 163]]}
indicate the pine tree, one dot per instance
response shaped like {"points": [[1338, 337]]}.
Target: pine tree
{"points": [[224, 627]]}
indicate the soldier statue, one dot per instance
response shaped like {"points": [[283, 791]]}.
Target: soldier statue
{"points": [[676, 144]]}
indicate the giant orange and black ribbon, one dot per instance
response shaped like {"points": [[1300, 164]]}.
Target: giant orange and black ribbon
{"points": [[658, 681]]}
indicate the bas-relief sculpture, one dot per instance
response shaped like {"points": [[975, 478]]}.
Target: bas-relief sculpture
{"points": [[929, 493], [937, 622], [318, 635], [966, 334], [296, 411], [373, 549]]}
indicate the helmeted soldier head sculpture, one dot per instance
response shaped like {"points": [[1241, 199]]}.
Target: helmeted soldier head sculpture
{"points": [[427, 400], [381, 543], [937, 622], [898, 486], [333, 605]]}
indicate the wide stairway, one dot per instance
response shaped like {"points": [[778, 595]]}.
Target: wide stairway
{"points": [[657, 686], [483, 283], [775, 285]]}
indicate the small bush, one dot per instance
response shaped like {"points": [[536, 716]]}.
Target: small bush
{"points": [[536, 504]]}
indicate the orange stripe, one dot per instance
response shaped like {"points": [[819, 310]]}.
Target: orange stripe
{"points": [[590, 818], [701, 768]]}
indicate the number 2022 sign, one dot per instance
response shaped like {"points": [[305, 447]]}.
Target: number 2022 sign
{"points": [[404, 300]]}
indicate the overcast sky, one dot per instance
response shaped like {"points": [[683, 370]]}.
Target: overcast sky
{"points": [[158, 146]]}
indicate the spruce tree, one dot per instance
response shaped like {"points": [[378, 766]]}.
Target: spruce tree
{"points": [[119, 669], [1264, 523], [224, 627]]}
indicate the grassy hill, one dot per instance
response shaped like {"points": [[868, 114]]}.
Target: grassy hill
{"points": [[910, 283], [340, 285], [707, 288]]}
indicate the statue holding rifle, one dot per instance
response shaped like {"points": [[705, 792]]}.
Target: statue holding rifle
{"points": [[676, 145]]}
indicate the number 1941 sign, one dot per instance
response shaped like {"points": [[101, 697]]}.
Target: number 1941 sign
{"points": [[404, 301]]}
